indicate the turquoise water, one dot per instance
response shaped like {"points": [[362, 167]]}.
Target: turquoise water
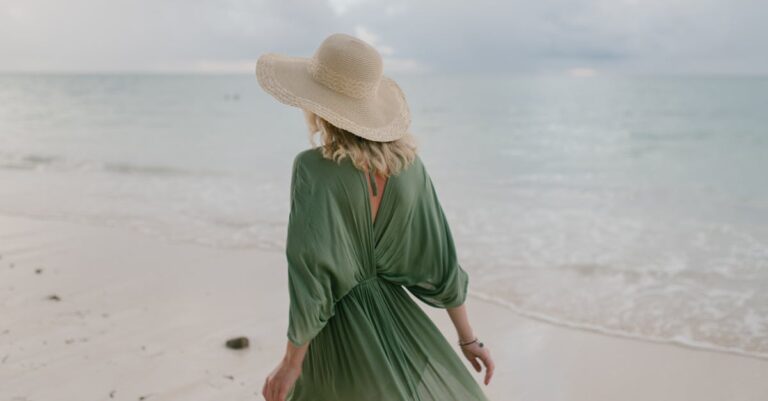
{"points": [[631, 206]]}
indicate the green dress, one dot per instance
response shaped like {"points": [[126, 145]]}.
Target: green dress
{"points": [[348, 276]]}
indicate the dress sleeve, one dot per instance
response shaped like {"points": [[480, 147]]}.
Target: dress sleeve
{"points": [[440, 281], [310, 283]]}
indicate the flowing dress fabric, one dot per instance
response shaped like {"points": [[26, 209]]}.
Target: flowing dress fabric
{"points": [[348, 276]]}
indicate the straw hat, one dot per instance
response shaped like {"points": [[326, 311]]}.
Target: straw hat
{"points": [[342, 83]]}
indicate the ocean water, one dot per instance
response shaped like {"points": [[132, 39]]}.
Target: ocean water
{"points": [[632, 206]]}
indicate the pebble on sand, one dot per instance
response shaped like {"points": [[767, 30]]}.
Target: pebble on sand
{"points": [[54, 297], [238, 343]]}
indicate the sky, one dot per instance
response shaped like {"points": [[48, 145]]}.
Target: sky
{"points": [[573, 37]]}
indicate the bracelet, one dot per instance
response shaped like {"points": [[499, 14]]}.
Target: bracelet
{"points": [[461, 344]]}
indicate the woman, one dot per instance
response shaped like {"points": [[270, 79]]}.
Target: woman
{"points": [[365, 225]]}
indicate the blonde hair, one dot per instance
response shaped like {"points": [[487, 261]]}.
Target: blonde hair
{"points": [[384, 158]]}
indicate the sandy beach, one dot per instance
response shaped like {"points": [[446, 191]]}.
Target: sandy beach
{"points": [[100, 313]]}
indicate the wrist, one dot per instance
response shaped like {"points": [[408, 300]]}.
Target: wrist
{"points": [[466, 337], [463, 343], [292, 362]]}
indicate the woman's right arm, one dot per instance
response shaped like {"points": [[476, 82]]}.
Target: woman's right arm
{"points": [[473, 351], [282, 378]]}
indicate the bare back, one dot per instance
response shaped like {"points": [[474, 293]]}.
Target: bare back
{"points": [[376, 200]]}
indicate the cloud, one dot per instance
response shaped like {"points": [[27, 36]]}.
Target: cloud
{"points": [[405, 65], [516, 36], [581, 72], [373, 39], [341, 7], [392, 63]]}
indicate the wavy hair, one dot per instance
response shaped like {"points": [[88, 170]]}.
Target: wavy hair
{"points": [[384, 158]]}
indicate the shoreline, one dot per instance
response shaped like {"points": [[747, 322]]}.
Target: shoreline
{"points": [[538, 317], [685, 344], [141, 316]]}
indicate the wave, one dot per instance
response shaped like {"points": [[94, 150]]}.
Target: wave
{"points": [[268, 236], [559, 321], [712, 310]]}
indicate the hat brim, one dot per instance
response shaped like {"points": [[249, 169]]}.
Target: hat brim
{"points": [[383, 117]]}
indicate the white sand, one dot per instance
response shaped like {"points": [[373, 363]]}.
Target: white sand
{"points": [[140, 317]]}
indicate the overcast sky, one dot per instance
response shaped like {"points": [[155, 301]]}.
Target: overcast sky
{"points": [[581, 37]]}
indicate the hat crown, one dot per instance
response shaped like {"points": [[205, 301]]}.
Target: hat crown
{"points": [[347, 65]]}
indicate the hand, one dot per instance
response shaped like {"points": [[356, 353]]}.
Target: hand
{"points": [[473, 352], [280, 381]]}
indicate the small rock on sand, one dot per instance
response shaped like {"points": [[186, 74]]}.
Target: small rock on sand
{"points": [[238, 343]]}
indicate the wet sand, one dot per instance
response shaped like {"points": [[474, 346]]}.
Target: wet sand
{"points": [[101, 313]]}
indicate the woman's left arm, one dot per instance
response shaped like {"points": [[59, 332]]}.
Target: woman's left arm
{"points": [[474, 350], [282, 378]]}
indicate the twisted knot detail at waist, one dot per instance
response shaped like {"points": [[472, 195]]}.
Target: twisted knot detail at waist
{"points": [[371, 280], [368, 284]]}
